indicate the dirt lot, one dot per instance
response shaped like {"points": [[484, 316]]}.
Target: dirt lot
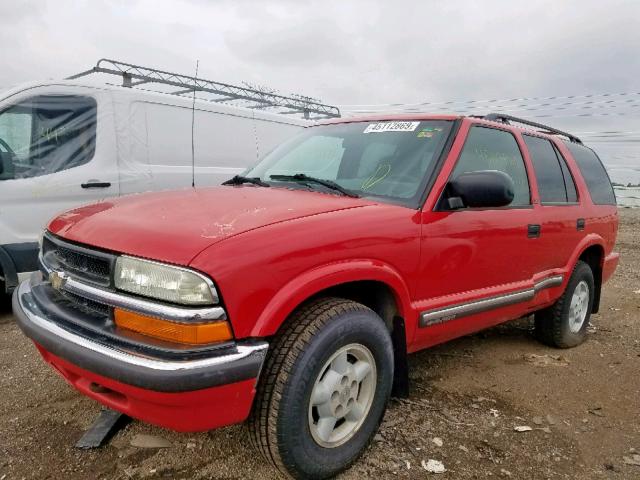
{"points": [[583, 406]]}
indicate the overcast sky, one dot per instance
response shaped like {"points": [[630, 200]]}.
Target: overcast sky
{"points": [[360, 52]]}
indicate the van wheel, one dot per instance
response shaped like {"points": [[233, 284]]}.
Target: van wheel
{"points": [[324, 389], [4, 296], [564, 324]]}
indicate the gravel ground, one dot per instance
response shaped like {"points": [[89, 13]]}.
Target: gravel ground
{"points": [[467, 398]]}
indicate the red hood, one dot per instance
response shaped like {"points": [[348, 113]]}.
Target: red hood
{"points": [[175, 226]]}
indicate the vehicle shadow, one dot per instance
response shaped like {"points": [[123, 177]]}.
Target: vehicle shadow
{"points": [[515, 336]]}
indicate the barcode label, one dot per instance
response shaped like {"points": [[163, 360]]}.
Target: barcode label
{"points": [[391, 127]]}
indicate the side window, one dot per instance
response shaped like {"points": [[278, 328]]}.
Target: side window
{"points": [[594, 174], [15, 125], [492, 149], [569, 183], [555, 183], [46, 134]]}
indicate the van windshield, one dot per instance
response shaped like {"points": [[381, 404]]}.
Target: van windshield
{"points": [[389, 160], [46, 134]]}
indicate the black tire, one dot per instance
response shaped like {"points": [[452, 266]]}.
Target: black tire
{"points": [[279, 424], [5, 298], [552, 325]]}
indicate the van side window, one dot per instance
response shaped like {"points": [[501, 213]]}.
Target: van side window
{"points": [[46, 134], [493, 149], [555, 183], [594, 174]]}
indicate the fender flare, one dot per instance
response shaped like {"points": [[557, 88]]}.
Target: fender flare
{"points": [[8, 270], [590, 240], [309, 283]]}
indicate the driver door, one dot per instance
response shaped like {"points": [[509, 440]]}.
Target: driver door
{"points": [[475, 254], [58, 152]]}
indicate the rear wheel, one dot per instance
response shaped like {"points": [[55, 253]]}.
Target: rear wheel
{"points": [[324, 389], [565, 323]]}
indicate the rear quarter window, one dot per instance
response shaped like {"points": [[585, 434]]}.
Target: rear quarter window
{"points": [[572, 193], [555, 183], [547, 168], [594, 174]]}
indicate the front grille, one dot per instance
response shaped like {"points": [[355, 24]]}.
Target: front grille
{"points": [[85, 305], [85, 264]]}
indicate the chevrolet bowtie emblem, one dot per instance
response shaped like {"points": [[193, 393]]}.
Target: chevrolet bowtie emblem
{"points": [[57, 280]]}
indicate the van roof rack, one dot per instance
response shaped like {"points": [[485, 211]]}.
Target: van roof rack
{"points": [[501, 117], [134, 75]]}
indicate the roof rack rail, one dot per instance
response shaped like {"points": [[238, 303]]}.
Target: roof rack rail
{"points": [[134, 75], [500, 117]]}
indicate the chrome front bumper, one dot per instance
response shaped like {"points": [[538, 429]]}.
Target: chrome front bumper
{"points": [[230, 364]]}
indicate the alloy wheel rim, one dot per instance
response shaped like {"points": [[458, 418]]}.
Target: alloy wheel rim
{"points": [[579, 306], [342, 395]]}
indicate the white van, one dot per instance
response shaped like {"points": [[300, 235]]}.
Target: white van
{"points": [[63, 144]]}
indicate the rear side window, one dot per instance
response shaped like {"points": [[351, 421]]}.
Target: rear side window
{"points": [[492, 149], [555, 183], [572, 193], [46, 134], [594, 174]]}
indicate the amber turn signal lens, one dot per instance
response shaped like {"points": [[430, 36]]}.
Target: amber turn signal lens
{"points": [[198, 333]]}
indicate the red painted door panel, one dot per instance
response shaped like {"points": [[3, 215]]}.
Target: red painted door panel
{"points": [[473, 249], [559, 235], [472, 254]]}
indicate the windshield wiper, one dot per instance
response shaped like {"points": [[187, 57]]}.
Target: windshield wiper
{"points": [[239, 180], [303, 177]]}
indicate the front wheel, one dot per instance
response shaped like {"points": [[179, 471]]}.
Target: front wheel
{"points": [[324, 389]]}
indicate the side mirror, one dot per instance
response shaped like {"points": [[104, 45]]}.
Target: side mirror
{"points": [[482, 189]]}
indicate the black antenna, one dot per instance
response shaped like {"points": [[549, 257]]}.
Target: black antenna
{"points": [[193, 124]]}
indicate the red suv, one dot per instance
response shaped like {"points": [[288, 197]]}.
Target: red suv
{"points": [[292, 295]]}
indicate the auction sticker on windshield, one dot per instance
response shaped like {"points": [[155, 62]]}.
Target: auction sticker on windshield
{"points": [[391, 127]]}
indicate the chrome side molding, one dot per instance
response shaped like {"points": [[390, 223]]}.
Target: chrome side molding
{"points": [[440, 315], [548, 283]]}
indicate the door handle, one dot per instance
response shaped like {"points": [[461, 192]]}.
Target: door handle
{"points": [[533, 230], [94, 184]]}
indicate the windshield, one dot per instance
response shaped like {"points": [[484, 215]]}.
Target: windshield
{"points": [[390, 161]]}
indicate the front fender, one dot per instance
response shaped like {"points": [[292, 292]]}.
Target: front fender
{"points": [[313, 281]]}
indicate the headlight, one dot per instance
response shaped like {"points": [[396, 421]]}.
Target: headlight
{"points": [[163, 282]]}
